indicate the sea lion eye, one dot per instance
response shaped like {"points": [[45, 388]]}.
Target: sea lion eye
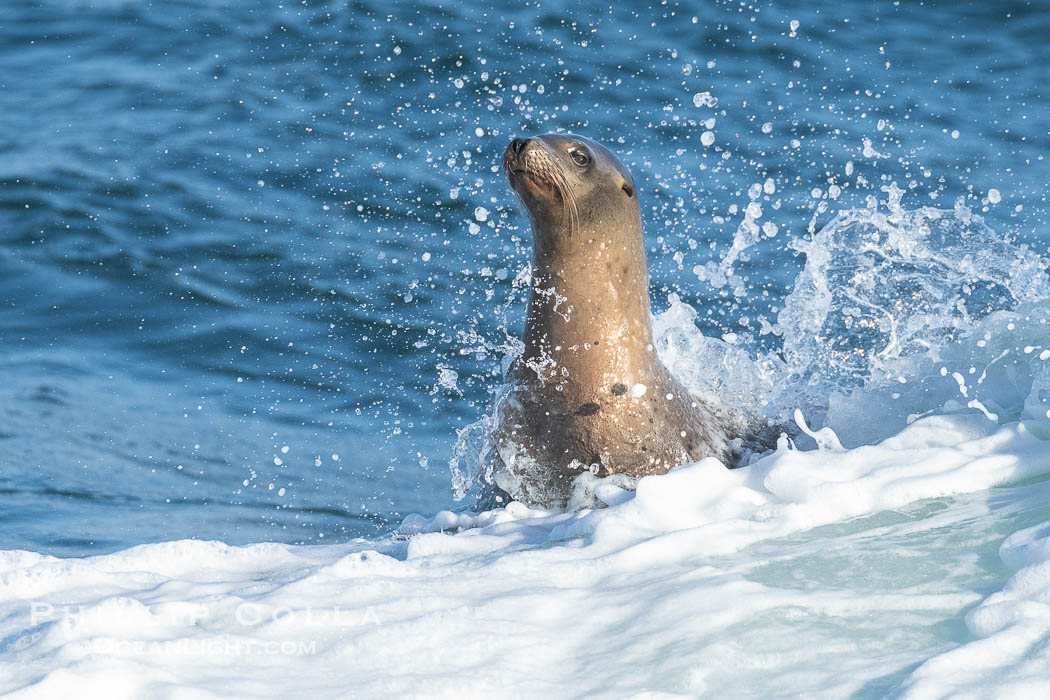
{"points": [[579, 158]]}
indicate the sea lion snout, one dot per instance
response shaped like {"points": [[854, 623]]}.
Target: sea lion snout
{"points": [[521, 154], [532, 171], [517, 146]]}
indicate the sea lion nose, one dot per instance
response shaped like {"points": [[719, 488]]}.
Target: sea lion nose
{"points": [[517, 146]]}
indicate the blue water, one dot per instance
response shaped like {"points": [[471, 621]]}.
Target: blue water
{"points": [[241, 238]]}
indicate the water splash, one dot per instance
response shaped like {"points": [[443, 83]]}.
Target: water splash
{"points": [[473, 456], [896, 314], [880, 287], [902, 313]]}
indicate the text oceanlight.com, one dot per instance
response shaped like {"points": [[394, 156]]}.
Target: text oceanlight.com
{"points": [[204, 647], [245, 615]]}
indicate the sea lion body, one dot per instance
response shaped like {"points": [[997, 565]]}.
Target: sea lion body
{"points": [[588, 392]]}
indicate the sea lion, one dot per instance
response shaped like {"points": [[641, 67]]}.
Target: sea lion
{"points": [[588, 391]]}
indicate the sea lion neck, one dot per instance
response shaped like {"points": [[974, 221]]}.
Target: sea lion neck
{"points": [[590, 292]]}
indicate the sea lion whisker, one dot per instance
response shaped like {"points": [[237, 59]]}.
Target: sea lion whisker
{"points": [[557, 179], [568, 198], [575, 223]]}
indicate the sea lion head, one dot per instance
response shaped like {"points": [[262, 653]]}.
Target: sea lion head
{"points": [[566, 180]]}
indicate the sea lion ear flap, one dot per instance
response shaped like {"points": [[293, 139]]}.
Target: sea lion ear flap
{"points": [[627, 189]]}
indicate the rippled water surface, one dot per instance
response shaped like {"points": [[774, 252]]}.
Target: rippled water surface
{"points": [[258, 259]]}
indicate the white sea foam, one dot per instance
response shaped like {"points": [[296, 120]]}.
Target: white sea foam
{"points": [[822, 572], [1010, 655]]}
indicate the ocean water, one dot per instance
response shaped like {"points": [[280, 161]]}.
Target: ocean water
{"points": [[261, 272], [259, 259]]}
